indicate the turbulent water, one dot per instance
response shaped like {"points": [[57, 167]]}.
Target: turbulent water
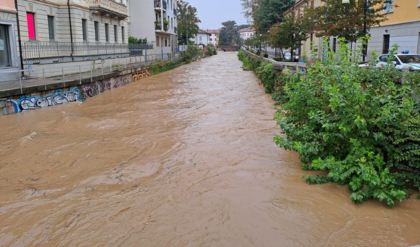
{"points": [[184, 158]]}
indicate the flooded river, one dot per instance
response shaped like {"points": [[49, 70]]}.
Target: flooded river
{"points": [[184, 158]]}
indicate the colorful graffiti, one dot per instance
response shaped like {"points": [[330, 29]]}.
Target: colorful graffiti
{"points": [[136, 76], [32, 102], [8, 107]]}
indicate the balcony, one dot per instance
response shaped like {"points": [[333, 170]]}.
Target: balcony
{"points": [[158, 26], [109, 7], [157, 5]]}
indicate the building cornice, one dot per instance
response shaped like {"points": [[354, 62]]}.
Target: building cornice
{"points": [[7, 10]]}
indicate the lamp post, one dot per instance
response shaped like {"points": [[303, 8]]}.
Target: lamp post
{"points": [[364, 26]]}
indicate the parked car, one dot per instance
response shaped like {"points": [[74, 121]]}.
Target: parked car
{"points": [[400, 61], [288, 55]]}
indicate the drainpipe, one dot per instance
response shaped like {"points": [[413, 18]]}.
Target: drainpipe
{"points": [[71, 31], [19, 39]]}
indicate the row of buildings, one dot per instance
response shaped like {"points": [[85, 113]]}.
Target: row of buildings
{"points": [[401, 28], [58, 31], [211, 37]]}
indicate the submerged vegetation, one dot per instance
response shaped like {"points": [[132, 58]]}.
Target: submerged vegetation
{"points": [[360, 125]]}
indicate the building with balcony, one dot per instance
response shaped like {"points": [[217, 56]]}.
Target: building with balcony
{"points": [[155, 20]]}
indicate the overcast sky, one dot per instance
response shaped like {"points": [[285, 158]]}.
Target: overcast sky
{"points": [[213, 12]]}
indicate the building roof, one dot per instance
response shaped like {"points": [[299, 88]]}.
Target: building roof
{"points": [[249, 29], [203, 32], [214, 31]]}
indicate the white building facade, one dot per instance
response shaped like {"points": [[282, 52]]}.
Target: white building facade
{"points": [[202, 38], [9, 49], [246, 33], [155, 20], [214, 36]]}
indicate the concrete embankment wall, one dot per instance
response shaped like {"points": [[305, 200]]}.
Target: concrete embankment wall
{"points": [[13, 101]]}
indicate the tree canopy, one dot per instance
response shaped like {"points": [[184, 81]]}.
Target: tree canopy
{"points": [[187, 22], [270, 12], [335, 18], [229, 34]]}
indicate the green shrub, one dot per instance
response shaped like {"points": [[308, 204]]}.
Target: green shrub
{"points": [[278, 59], [360, 125]]}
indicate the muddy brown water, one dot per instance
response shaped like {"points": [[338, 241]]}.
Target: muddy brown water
{"points": [[184, 158]]}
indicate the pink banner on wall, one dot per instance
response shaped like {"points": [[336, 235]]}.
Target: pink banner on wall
{"points": [[31, 25]]}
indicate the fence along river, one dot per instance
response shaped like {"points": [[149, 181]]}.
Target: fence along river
{"points": [[184, 158]]}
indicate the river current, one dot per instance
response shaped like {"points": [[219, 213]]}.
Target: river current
{"points": [[183, 158]]}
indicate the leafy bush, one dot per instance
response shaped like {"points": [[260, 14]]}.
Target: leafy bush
{"points": [[360, 125], [162, 66], [278, 59], [192, 53]]}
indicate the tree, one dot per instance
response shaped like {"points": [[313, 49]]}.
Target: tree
{"points": [[229, 34], [290, 32], [270, 12], [243, 26], [346, 20], [187, 22]]}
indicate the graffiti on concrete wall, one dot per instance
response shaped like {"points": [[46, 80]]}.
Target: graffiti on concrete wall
{"points": [[8, 107], [136, 76], [99, 87], [33, 102]]}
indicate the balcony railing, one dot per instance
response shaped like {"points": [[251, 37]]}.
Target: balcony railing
{"points": [[61, 52], [109, 7], [157, 4], [158, 26]]}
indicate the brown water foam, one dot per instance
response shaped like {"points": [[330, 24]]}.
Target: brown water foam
{"points": [[184, 158]]}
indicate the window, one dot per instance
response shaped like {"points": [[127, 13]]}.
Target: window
{"points": [[115, 34], [84, 29], [201, 38], [385, 46], [334, 44], [30, 17], [157, 41], [211, 39], [96, 31], [166, 42], [172, 22], [389, 6], [51, 27], [106, 32], [122, 35], [4, 46]]}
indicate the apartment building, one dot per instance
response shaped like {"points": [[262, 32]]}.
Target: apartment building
{"points": [[57, 31], [8, 32], [214, 36], [155, 20], [401, 28], [246, 33], [312, 41]]}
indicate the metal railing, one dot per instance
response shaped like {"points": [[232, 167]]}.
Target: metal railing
{"points": [[157, 4], [61, 52], [43, 76]]}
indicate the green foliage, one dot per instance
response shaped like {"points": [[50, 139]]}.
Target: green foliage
{"points": [[290, 32], [347, 20], [192, 53], [211, 51], [187, 22], [262, 69], [132, 40], [229, 34], [163, 66], [270, 12], [360, 125]]}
